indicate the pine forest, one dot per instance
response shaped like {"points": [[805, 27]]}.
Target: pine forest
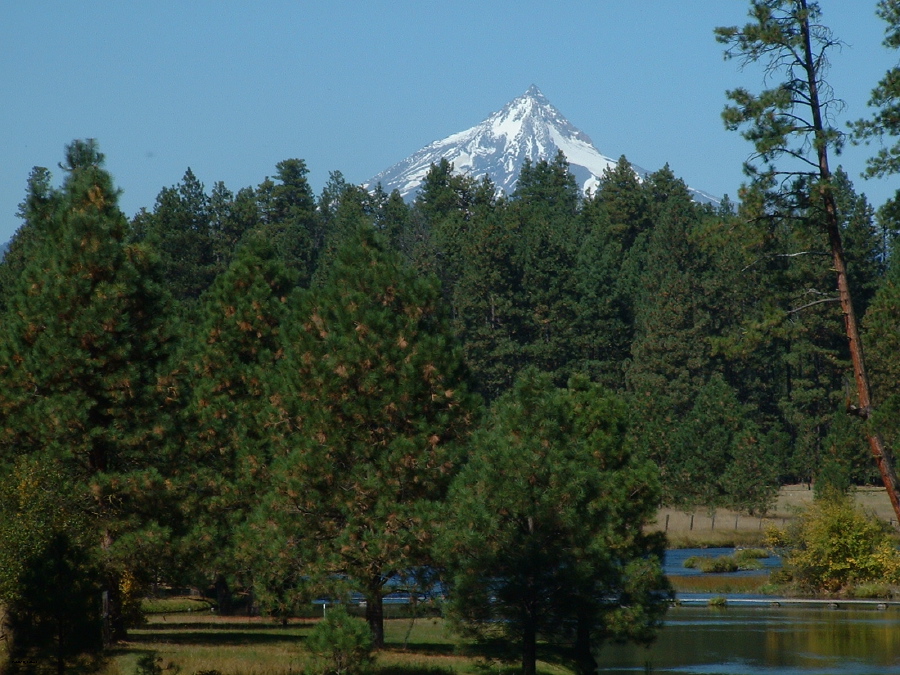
{"points": [[275, 396]]}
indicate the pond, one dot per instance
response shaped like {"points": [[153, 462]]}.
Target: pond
{"points": [[673, 562], [765, 641]]}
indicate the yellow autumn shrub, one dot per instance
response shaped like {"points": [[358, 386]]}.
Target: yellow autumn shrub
{"points": [[834, 545]]}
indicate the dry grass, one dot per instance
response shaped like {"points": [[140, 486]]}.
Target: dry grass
{"points": [[729, 528], [707, 583]]}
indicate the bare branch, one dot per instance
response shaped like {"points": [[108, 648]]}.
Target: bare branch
{"points": [[785, 255], [808, 305]]}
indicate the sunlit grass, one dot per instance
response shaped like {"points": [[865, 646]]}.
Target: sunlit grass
{"points": [[175, 604], [722, 539], [189, 644], [228, 644], [702, 583]]}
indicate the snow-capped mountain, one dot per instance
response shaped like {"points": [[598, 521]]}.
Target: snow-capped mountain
{"points": [[528, 127]]}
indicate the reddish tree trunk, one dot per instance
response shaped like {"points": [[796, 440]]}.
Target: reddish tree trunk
{"points": [[882, 455]]}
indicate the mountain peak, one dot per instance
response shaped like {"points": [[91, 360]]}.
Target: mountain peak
{"points": [[527, 128], [534, 92]]}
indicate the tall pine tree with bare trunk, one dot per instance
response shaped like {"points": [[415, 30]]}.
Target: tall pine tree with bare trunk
{"points": [[790, 127]]}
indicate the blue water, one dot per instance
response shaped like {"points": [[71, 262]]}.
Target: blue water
{"points": [[673, 562], [765, 641]]}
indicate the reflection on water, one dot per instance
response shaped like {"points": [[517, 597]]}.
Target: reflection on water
{"points": [[766, 641]]}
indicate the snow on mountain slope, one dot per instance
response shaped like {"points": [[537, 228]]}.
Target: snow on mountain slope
{"points": [[528, 127]]}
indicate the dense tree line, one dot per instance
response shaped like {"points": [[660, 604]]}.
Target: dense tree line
{"points": [[291, 394], [279, 392]]}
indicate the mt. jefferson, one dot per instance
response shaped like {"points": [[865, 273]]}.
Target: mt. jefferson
{"points": [[528, 127]]}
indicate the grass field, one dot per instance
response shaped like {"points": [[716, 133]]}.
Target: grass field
{"points": [[729, 528], [257, 646]]}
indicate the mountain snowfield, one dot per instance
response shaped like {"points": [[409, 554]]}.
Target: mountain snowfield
{"points": [[528, 127]]}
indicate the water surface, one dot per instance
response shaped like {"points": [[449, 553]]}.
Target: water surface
{"points": [[766, 641], [673, 562]]}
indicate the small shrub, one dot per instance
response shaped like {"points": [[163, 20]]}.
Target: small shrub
{"points": [[693, 562], [721, 565], [872, 591], [710, 565], [149, 664], [834, 546], [745, 559], [718, 602], [343, 642], [745, 554]]}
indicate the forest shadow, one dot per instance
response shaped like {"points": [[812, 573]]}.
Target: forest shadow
{"points": [[191, 636]]}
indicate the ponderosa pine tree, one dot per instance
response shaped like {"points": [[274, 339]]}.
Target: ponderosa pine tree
{"points": [[371, 409], [548, 233], [36, 212], [231, 217], [789, 124], [82, 338], [615, 222], [670, 359], [287, 210], [886, 99], [228, 361], [543, 535], [179, 229]]}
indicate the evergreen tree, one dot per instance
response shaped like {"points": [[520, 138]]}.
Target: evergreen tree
{"points": [[543, 534], [670, 359], [544, 210], [864, 251], [231, 216], [885, 122], [882, 334], [615, 224], [179, 228], [287, 209], [625, 203], [720, 457], [354, 209], [330, 200], [488, 317], [36, 212], [788, 124], [370, 412], [228, 364], [81, 343], [393, 218], [442, 213]]}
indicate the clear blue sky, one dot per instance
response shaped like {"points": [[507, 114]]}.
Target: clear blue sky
{"points": [[231, 88]]}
